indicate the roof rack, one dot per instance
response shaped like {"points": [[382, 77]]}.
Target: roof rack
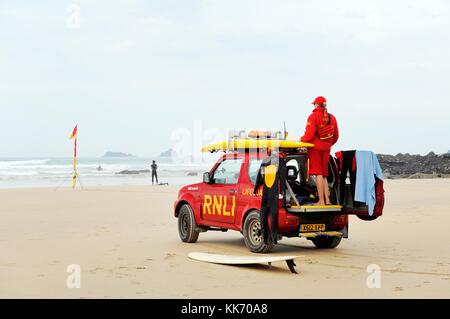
{"points": [[246, 144]]}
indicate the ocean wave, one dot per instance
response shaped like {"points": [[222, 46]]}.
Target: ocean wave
{"points": [[12, 174], [18, 163], [39, 171]]}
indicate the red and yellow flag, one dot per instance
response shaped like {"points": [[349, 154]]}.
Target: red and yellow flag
{"points": [[74, 133]]}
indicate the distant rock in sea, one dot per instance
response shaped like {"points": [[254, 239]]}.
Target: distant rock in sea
{"points": [[169, 153], [117, 154], [131, 172], [192, 174]]}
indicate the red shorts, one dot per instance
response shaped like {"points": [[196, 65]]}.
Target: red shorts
{"points": [[318, 162]]}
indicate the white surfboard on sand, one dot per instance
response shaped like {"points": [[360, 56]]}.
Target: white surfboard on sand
{"points": [[243, 260]]}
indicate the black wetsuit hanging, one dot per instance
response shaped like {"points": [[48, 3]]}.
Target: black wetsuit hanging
{"points": [[348, 167], [272, 176]]}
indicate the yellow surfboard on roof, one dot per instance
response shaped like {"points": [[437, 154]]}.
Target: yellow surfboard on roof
{"points": [[247, 144]]}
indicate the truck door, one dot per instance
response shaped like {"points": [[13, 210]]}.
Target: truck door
{"points": [[345, 191], [220, 197], [247, 199]]}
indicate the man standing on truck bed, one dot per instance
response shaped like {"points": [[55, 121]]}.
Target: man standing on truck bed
{"points": [[322, 131]]}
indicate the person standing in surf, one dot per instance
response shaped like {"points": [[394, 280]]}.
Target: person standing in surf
{"points": [[154, 167], [322, 131]]}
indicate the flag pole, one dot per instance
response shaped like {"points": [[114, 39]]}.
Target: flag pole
{"points": [[74, 180], [74, 136]]}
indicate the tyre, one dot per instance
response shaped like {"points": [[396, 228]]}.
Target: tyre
{"points": [[187, 227], [367, 218], [253, 237], [326, 241]]}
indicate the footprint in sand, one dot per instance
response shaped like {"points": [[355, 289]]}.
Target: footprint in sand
{"points": [[398, 289], [169, 255], [93, 271], [102, 229], [141, 268]]}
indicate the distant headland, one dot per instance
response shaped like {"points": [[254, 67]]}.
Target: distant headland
{"points": [[117, 154]]}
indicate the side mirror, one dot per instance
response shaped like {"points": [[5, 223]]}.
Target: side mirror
{"points": [[206, 178]]}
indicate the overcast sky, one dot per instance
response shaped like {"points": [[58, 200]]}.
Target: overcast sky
{"points": [[136, 71]]}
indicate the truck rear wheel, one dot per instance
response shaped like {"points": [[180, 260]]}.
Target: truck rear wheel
{"points": [[253, 237], [367, 218], [326, 241], [187, 227]]}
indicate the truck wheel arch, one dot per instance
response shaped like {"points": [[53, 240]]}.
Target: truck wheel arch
{"points": [[179, 204], [244, 216]]}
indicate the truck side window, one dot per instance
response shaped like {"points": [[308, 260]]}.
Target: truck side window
{"points": [[253, 169], [228, 171]]}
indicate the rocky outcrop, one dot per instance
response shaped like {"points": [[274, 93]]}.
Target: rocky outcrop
{"points": [[192, 174], [169, 153], [131, 172], [415, 166], [117, 154]]}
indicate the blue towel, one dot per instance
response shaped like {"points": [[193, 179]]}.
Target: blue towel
{"points": [[367, 167]]}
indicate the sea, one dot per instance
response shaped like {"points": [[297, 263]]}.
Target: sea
{"points": [[58, 172]]}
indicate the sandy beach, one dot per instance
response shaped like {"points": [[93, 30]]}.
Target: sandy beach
{"points": [[126, 242]]}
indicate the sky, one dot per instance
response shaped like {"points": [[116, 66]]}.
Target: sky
{"points": [[142, 76]]}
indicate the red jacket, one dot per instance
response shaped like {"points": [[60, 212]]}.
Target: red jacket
{"points": [[311, 136]]}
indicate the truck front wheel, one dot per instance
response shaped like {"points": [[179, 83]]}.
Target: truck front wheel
{"points": [[326, 241], [187, 227], [253, 237]]}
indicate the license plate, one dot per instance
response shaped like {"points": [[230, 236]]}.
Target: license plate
{"points": [[312, 227]]}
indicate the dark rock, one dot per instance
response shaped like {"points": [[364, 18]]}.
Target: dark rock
{"points": [[415, 166], [131, 172]]}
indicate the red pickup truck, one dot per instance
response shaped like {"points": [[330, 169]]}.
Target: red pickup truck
{"points": [[225, 201]]}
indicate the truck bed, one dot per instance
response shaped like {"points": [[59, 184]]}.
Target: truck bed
{"points": [[313, 208]]}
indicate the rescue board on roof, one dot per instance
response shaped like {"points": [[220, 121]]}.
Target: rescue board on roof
{"points": [[247, 144]]}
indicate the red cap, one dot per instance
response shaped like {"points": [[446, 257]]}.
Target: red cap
{"points": [[320, 100]]}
